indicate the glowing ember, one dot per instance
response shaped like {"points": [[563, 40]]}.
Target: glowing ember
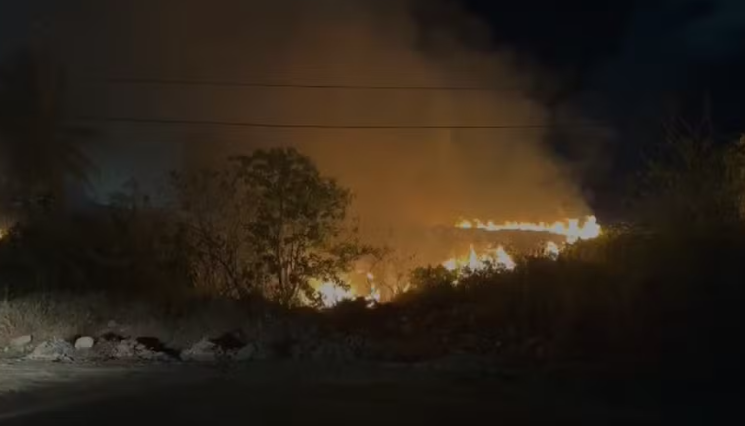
{"points": [[570, 228]]}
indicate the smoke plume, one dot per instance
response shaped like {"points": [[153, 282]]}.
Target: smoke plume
{"points": [[400, 176]]}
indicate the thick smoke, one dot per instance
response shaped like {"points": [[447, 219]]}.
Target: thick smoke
{"points": [[422, 177]]}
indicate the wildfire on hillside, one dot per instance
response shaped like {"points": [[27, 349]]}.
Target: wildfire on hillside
{"points": [[573, 230]]}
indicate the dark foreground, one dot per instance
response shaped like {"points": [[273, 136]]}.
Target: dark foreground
{"points": [[275, 393]]}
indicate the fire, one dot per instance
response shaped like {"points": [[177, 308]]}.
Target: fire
{"points": [[451, 264], [332, 293], [374, 296], [552, 250], [472, 261], [569, 228], [572, 230], [504, 260]]}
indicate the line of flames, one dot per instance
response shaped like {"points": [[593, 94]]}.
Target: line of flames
{"points": [[572, 229]]}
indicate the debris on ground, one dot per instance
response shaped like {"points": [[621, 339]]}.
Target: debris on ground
{"points": [[20, 342], [246, 353], [203, 351], [52, 350]]}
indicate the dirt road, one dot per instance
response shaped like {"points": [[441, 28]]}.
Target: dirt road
{"points": [[292, 393]]}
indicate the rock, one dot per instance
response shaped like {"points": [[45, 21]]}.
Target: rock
{"points": [[246, 353], [124, 349], [152, 349], [229, 342], [146, 354], [21, 342], [112, 324], [202, 351], [141, 348], [52, 350], [111, 337], [85, 342]]}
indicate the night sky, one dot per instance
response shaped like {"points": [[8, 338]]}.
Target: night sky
{"points": [[623, 65]]}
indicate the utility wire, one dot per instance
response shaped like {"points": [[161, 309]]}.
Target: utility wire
{"points": [[218, 83], [220, 123]]}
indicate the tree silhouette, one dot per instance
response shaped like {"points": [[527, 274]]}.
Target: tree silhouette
{"points": [[299, 228], [40, 154]]}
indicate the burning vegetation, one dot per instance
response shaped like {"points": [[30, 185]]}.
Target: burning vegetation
{"points": [[491, 258], [268, 232]]}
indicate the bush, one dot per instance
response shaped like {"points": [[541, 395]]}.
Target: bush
{"points": [[629, 297], [115, 251]]}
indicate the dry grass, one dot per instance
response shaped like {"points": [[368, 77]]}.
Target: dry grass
{"points": [[48, 316]]}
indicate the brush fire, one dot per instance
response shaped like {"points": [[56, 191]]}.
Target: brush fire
{"points": [[569, 231]]}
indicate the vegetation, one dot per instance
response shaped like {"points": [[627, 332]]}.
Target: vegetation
{"points": [[692, 182], [269, 223], [666, 292], [298, 225]]}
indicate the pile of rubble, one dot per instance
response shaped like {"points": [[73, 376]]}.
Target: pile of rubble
{"points": [[229, 347]]}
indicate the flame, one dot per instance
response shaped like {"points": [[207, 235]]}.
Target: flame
{"points": [[504, 260], [552, 250], [333, 294], [451, 264], [572, 229], [472, 261], [569, 228], [374, 296]]}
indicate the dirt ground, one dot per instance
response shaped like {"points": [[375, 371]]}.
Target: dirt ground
{"points": [[294, 393]]}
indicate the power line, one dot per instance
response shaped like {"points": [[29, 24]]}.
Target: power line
{"points": [[218, 83], [220, 123]]}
